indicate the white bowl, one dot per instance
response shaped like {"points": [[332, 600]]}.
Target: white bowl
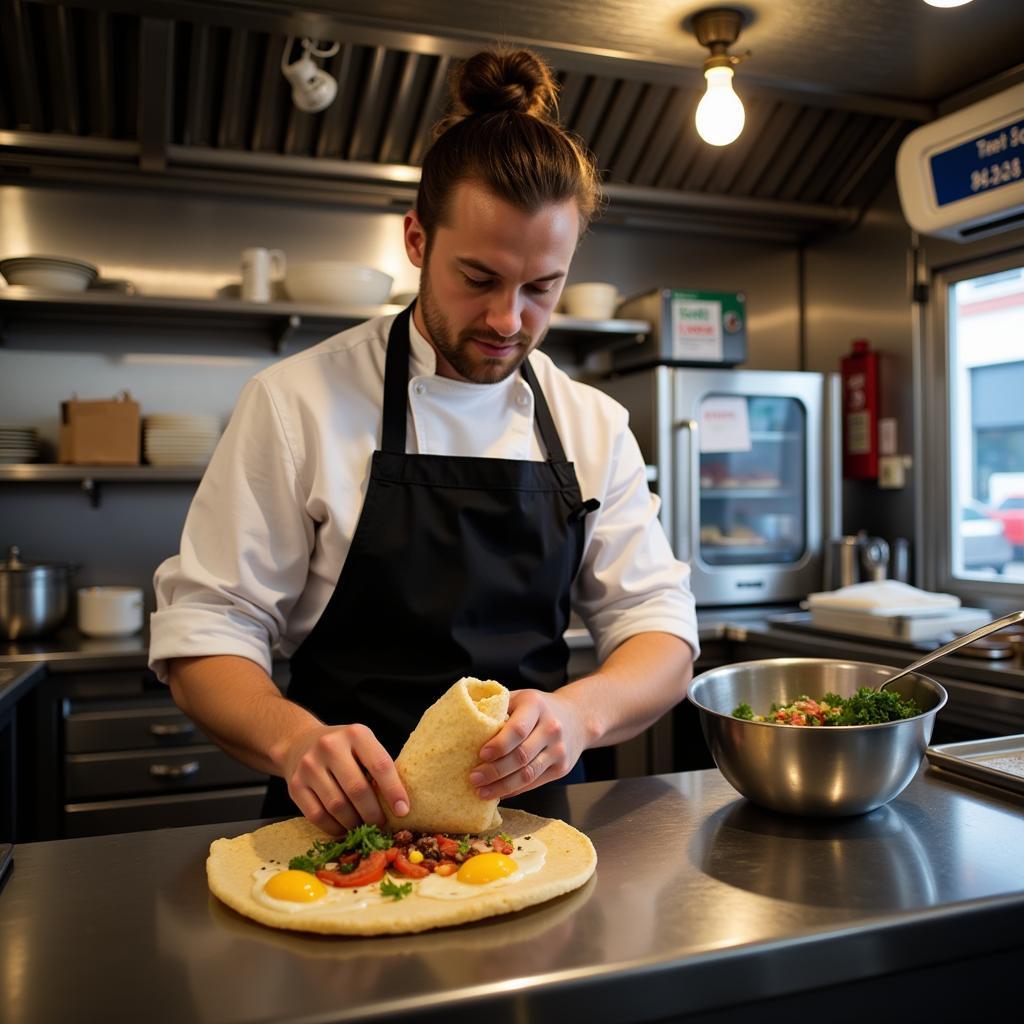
{"points": [[110, 611], [54, 273], [338, 283], [592, 300]]}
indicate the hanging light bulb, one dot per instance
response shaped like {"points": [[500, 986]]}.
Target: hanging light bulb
{"points": [[720, 113], [946, 3]]}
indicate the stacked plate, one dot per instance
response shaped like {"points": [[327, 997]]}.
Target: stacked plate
{"points": [[18, 444], [56, 273], [179, 439]]}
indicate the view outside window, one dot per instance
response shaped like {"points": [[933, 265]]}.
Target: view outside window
{"points": [[987, 425]]}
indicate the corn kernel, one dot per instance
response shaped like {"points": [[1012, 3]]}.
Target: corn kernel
{"points": [[415, 856]]}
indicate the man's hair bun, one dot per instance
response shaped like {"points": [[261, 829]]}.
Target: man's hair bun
{"points": [[497, 80], [502, 132]]}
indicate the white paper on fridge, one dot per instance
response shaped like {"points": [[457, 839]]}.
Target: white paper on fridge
{"points": [[724, 424]]}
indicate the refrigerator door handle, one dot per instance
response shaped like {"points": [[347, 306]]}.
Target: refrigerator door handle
{"points": [[686, 500]]}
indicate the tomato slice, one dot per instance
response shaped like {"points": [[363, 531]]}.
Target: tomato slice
{"points": [[501, 845], [329, 877], [370, 869], [391, 853], [448, 847], [446, 867], [410, 870]]}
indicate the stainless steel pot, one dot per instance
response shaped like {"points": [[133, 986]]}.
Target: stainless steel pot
{"points": [[34, 596]]}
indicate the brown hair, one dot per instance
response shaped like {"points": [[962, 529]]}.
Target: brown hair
{"points": [[502, 131]]}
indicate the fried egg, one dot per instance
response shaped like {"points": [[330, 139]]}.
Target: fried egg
{"points": [[486, 871], [295, 891]]}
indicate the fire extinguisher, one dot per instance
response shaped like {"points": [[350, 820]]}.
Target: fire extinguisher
{"points": [[860, 412]]}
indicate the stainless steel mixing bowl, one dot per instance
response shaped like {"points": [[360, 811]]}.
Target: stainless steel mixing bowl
{"points": [[828, 770]]}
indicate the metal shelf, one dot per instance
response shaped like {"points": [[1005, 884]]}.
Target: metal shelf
{"points": [[21, 309], [747, 492], [89, 478], [45, 472], [775, 435]]}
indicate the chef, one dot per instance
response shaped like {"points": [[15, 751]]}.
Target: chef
{"points": [[425, 497]]}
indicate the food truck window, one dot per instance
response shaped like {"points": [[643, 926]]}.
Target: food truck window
{"points": [[978, 354]]}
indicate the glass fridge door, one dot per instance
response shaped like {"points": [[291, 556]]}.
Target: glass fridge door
{"points": [[753, 481]]}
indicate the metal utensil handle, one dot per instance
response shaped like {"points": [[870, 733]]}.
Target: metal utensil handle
{"points": [[174, 771], [172, 728], [955, 645]]}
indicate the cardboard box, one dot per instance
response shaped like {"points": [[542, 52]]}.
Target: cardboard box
{"points": [[100, 433]]}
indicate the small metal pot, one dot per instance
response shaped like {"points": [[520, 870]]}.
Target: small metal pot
{"points": [[34, 596]]}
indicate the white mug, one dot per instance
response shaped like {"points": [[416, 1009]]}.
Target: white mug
{"points": [[259, 268]]}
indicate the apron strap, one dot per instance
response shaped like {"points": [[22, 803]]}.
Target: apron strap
{"points": [[396, 384], [545, 424]]}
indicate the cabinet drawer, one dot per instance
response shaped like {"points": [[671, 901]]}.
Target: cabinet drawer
{"points": [[139, 772], [129, 728], [103, 817]]}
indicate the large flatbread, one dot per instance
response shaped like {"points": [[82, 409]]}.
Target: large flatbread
{"points": [[435, 763], [569, 861]]}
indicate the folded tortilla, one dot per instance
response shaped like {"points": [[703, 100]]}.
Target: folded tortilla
{"points": [[435, 763]]}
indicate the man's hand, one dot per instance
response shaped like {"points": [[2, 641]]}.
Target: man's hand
{"points": [[541, 741], [337, 776]]}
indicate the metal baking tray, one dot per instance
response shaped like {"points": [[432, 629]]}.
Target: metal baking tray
{"points": [[999, 761]]}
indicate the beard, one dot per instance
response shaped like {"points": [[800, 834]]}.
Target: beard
{"points": [[459, 349]]}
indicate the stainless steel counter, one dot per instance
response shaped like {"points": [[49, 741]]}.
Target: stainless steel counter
{"points": [[16, 681], [700, 901]]}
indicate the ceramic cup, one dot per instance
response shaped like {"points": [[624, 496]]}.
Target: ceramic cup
{"points": [[110, 611], [591, 300], [261, 267]]}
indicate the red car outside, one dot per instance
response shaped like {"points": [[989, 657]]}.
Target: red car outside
{"points": [[1010, 512]]}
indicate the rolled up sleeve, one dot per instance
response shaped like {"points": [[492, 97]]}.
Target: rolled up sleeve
{"points": [[245, 547], [630, 582]]}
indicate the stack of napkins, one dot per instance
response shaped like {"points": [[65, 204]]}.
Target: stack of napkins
{"points": [[892, 610], [885, 597]]}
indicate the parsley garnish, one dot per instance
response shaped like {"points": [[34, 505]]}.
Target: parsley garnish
{"points": [[396, 892], [865, 707], [365, 838], [505, 836], [464, 845]]}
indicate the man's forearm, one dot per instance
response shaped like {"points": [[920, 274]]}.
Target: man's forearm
{"points": [[238, 706], [638, 682]]}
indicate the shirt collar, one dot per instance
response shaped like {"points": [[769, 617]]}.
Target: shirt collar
{"points": [[423, 357], [423, 363]]}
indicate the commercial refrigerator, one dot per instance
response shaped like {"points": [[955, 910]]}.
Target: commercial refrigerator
{"points": [[746, 463]]}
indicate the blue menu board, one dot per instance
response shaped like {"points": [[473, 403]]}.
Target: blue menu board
{"points": [[984, 163]]}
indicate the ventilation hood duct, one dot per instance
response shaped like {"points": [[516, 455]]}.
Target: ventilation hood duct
{"points": [[192, 97]]}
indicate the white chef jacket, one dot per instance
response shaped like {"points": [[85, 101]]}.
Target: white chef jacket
{"points": [[268, 531]]}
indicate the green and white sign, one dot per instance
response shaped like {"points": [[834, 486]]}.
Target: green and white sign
{"points": [[703, 324]]}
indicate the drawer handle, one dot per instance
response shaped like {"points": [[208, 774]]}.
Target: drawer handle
{"points": [[174, 771], [172, 728]]}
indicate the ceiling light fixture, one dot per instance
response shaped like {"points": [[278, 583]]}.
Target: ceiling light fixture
{"points": [[946, 3], [720, 114], [313, 89]]}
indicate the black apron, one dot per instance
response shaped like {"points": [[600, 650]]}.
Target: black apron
{"points": [[459, 566]]}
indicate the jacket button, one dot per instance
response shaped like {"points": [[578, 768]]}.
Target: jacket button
{"points": [[419, 388], [523, 400]]}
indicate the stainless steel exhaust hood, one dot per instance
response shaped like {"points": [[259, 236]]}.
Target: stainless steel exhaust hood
{"points": [[190, 96]]}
